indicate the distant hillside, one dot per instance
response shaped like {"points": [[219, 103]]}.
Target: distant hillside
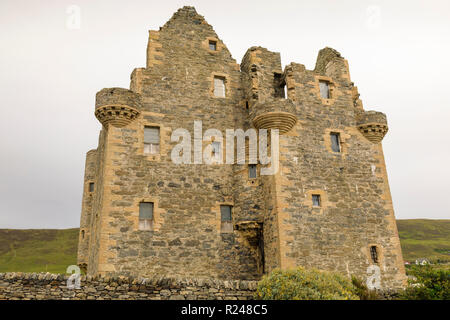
{"points": [[54, 250], [423, 238], [41, 250]]}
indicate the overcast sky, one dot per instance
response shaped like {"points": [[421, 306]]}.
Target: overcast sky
{"points": [[50, 70]]}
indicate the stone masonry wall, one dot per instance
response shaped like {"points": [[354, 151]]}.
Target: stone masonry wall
{"points": [[356, 207], [46, 286], [187, 239]]}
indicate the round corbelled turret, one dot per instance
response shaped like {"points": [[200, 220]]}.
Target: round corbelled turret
{"points": [[274, 114], [373, 125], [117, 106]]}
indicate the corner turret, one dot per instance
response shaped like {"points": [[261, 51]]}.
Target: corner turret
{"points": [[372, 125], [117, 106]]}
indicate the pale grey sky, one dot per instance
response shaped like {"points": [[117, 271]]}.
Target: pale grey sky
{"points": [[398, 53]]}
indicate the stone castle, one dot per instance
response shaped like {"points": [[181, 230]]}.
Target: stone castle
{"points": [[328, 206]]}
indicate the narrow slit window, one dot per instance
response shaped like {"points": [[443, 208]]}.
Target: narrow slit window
{"points": [[374, 254], [335, 142], [226, 218], [146, 216], [213, 45], [316, 200], [219, 87], [91, 187], [324, 89], [252, 171], [151, 140]]}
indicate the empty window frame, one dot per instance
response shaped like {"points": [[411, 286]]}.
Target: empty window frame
{"points": [[374, 254], [335, 142], [324, 87], [212, 45], [316, 201], [151, 140], [219, 87], [91, 187], [146, 216], [252, 171], [279, 86], [226, 218]]}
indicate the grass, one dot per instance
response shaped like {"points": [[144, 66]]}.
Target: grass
{"points": [[54, 250], [422, 238], [38, 250]]}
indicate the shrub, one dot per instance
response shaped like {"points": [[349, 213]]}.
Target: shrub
{"points": [[363, 292], [430, 283], [302, 284]]}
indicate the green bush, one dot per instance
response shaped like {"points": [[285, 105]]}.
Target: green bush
{"points": [[431, 283], [363, 292], [302, 284]]}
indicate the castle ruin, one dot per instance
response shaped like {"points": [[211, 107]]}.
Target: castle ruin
{"points": [[328, 206]]}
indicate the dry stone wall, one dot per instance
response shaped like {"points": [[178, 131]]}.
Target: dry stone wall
{"points": [[46, 286]]}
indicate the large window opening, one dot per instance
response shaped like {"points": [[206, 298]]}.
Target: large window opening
{"points": [[146, 216], [219, 87], [151, 140], [335, 142], [324, 87]]}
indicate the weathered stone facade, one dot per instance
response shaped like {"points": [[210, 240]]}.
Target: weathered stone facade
{"points": [[275, 222]]}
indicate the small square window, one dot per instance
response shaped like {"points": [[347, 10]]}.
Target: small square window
{"points": [[146, 216], [151, 140], [335, 142], [374, 254], [213, 45], [252, 171], [219, 87], [324, 89], [316, 200], [91, 187]]}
